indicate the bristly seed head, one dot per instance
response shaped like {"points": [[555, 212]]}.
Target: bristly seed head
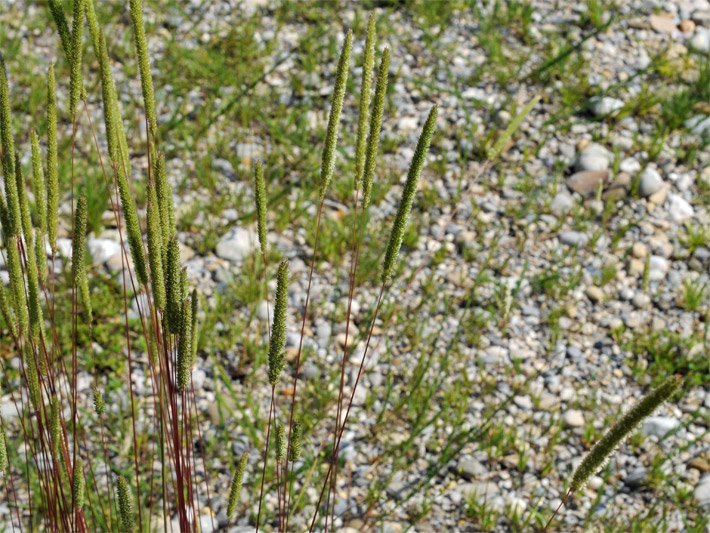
{"points": [[410, 189], [236, 486], [260, 197], [294, 452], [601, 451], [336, 106], [278, 331], [125, 506]]}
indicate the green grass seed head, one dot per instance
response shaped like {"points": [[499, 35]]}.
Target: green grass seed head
{"points": [[280, 443], [336, 106], [602, 450], [6, 311], [155, 249], [55, 425], [296, 448], [4, 463], [52, 162], [368, 65], [7, 143], [79, 485], [32, 276], [141, 45], [55, 8], [126, 518], [77, 37], [172, 287], [32, 375], [184, 355], [193, 313], [99, 401], [278, 331], [38, 183], [81, 281], [236, 486], [260, 197], [405, 204], [373, 137], [40, 256]]}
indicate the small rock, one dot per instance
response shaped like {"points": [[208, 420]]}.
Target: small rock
{"points": [[482, 490], [699, 125], [619, 187], [686, 26], [587, 182], [469, 468], [663, 23], [593, 157], [237, 244], [595, 294], [650, 183], [562, 203], [605, 106], [573, 238], [702, 492], [641, 300], [574, 418], [103, 249], [639, 250], [629, 165], [679, 209], [658, 267], [637, 478], [700, 41], [659, 425]]}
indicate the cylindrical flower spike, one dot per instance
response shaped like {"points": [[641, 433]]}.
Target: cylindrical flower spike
{"points": [[600, 452], [52, 162], [126, 519], [280, 443], [81, 281], [405, 204], [78, 485], [141, 45], [173, 292], [373, 137], [236, 486], [77, 36], [260, 197], [155, 249], [38, 183], [368, 65], [336, 106], [278, 331], [294, 451], [184, 355]]}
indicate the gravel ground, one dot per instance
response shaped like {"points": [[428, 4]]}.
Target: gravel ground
{"points": [[562, 274]]}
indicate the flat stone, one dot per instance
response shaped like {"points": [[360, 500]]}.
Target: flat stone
{"points": [[659, 425], [469, 468], [605, 106], [593, 157], [102, 250], [573, 418], [573, 238], [237, 245], [662, 23], [587, 182]]}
